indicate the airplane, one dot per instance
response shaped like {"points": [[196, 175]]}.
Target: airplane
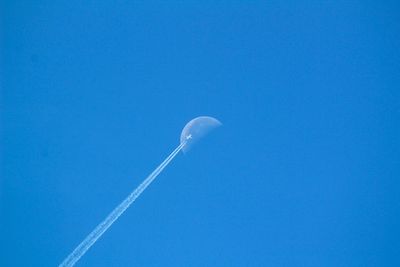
{"points": [[189, 137]]}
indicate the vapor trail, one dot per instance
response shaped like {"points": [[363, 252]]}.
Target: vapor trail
{"points": [[84, 246]]}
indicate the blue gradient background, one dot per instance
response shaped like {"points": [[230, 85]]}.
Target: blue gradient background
{"points": [[304, 172]]}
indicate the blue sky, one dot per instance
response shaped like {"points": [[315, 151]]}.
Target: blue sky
{"points": [[304, 172]]}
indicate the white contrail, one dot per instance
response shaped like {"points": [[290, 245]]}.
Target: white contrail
{"points": [[80, 250]]}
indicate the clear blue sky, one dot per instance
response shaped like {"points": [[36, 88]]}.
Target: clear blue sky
{"points": [[304, 172]]}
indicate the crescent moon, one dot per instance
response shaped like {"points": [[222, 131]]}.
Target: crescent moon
{"points": [[197, 128]]}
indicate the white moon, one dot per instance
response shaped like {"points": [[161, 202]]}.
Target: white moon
{"points": [[195, 129]]}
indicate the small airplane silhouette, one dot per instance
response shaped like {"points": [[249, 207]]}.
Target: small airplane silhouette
{"points": [[189, 137]]}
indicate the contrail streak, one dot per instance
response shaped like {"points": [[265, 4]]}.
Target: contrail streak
{"points": [[84, 246]]}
